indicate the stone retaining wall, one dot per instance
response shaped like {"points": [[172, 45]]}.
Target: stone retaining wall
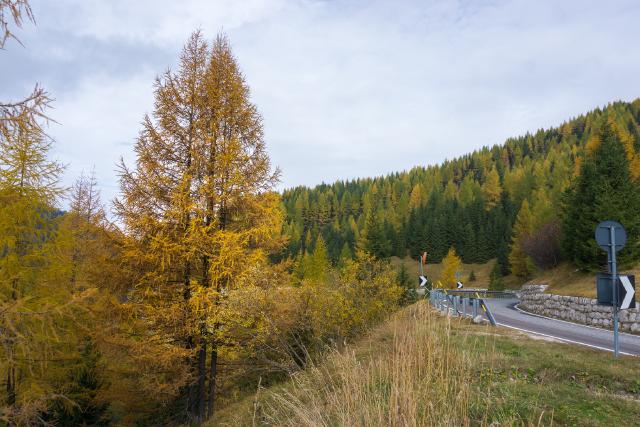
{"points": [[575, 309]]}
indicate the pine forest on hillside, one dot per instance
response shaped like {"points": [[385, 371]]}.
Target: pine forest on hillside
{"points": [[503, 202]]}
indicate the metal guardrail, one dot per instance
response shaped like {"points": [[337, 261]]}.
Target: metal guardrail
{"points": [[482, 293], [453, 303]]}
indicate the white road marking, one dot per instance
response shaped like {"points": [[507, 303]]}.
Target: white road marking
{"points": [[565, 339], [556, 337], [597, 328]]}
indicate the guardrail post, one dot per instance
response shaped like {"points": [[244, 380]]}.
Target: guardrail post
{"points": [[475, 308], [487, 311], [455, 305], [464, 306]]}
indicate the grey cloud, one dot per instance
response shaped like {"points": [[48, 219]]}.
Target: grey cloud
{"points": [[346, 88]]}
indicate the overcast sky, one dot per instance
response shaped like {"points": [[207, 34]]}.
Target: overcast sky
{"points": [[346, 88]]}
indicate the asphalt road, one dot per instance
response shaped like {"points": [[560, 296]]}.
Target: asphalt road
{"points": [[507, 315]]}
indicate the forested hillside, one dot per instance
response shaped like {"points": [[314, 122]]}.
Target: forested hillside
{"points": [[470, 203]]}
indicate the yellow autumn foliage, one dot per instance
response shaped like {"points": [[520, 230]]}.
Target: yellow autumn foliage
{"points": [[450, 265]]}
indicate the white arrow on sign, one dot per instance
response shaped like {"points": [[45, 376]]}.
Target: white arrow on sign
{"points": [[423, 281], [460, 285], [626, 302]]}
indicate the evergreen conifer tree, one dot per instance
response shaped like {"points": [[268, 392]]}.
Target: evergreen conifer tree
{"points": [[374, 239], [345, 254], [503, 258], [604, 190], [495, 279], [404, 281]]}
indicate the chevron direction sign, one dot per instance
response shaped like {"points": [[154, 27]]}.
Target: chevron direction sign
{"points": [[627, 292], [422, 280]]}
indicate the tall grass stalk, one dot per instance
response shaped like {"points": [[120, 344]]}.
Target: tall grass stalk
{"points": [[419, 378]]}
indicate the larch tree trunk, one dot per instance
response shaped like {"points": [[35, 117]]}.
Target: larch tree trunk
{"points": [[202, 373], [212, 381]]}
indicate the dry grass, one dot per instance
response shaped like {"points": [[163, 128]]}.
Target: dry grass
{"points": [[434, 271], [421, 368], [416, 380], [405, 373], [567, 280], [564, 279]]}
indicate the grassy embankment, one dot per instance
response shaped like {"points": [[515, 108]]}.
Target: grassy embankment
{"points": [[424, 369], [434, 271], [565, 279]]}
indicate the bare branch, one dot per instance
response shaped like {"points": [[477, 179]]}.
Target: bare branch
{"points": [[13, 12]]}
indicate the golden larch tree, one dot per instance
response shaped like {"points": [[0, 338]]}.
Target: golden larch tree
{"points": [[32, 298], [199, 208], [415, 199], [492, 190], [27, 115], [450, 265], [521, 263]]}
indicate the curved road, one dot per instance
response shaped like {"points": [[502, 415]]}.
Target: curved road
{"points": [[507, 315]]}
